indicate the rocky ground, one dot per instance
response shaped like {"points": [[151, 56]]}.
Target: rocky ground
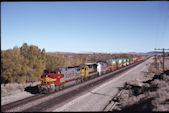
{"points": [[151, 94]]}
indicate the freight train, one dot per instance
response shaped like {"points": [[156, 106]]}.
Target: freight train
{"points": [[55, 79]]}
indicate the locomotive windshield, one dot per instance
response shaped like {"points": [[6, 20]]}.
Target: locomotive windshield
{"points": [[53, 72], [46, 72]]}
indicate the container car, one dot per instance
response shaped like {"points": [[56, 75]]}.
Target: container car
{"points": [[112, 63], [128, 61], [124, 61], [119, 63]]}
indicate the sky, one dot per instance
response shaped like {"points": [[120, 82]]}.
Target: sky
{"points": [[108, 27]]}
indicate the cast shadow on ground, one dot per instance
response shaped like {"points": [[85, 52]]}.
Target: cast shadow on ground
{"points": [[143, 106], [166, 72], [32, 89]]}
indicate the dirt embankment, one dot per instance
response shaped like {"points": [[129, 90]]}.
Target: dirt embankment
{"points": [[149, 95], [13, 88]]}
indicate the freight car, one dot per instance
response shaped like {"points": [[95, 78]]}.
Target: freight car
{"points": [[113, 64], [55, 79]]}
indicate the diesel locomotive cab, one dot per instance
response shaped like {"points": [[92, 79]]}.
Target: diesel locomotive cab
{"points": [[49, 79]]}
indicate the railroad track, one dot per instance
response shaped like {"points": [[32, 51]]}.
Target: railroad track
{"points": [[64, 94], [21, 102]]}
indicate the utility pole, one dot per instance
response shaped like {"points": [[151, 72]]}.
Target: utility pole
{"points": [[156, 63], [163, 56]]}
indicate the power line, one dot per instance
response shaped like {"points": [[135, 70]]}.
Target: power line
{"points": [[163, 55]]}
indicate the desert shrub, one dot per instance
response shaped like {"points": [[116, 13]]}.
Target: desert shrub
{"points": [[152, 69]]}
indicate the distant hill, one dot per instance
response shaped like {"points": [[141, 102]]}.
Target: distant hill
{"points": [[137, 53], [60, 53], [97, 53], [92, 53], [154, 52], [71, 53]]}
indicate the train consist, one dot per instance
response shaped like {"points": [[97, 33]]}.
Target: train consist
{"points": [[55, 79]]}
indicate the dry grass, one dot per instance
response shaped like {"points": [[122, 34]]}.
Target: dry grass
{"points": [[152, 69], [157, 65]]}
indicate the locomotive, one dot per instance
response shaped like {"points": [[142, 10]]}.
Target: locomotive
{"points": [[55, 79]]}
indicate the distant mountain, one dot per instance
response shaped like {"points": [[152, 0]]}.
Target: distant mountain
{"points": [[137, 53], [154, 52], [61, 52], [71, 53]]}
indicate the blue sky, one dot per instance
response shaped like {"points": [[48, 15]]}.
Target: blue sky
{"points": [[109, 27]]}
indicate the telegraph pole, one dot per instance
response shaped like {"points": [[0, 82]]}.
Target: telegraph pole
{"points": [[156, 63], [163, 56]]}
